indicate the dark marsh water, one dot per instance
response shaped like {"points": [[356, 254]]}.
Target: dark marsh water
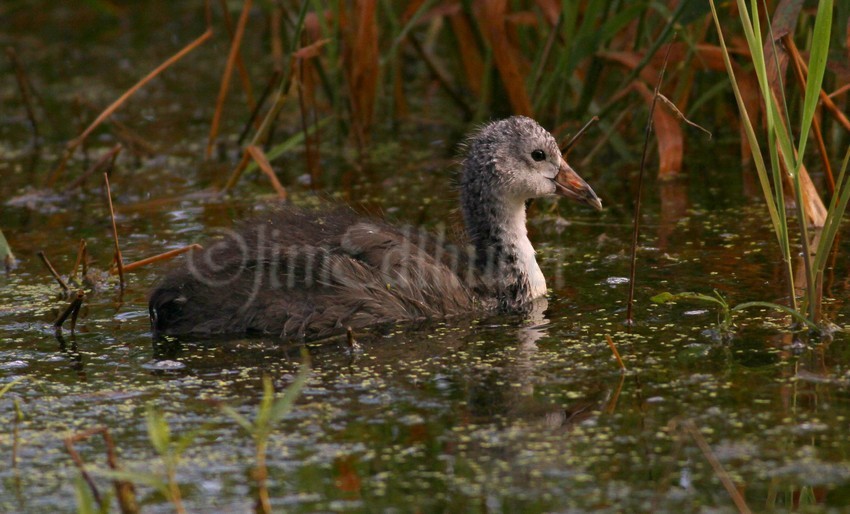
{"points": [[488, 414]]}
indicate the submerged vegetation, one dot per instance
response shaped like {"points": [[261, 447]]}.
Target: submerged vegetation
{"points": [[277, 99]]}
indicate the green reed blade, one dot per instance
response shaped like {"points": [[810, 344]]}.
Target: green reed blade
{"points": [[773, 195], [817, 67], [835, 214], [758, 160]]}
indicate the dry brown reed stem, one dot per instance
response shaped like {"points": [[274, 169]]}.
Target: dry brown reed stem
{"points": [[265, 166], [156, 258], [81, 255], [494, 16], [813, 207], [840, 91], [74, 314], [602, 141], [636, 230], [441, 77], [314, 158], [119, 260], [72, 145], [9, 262], [19, 416], [240, 63], [612, 403], [547, 50], [666, 122], [124, 491], [277, 38], [825, 98], [261, 474], [310, 151], [304, 74], [72, 308], [108, 157], [79, 120], [615, 352], [573, 140], [264, 133], [797, 65], [81, 465], [362, 67], [307, 72], [674, 110], [668, 132], [721, 473], [467, 46], [53, 272], [252, 120], [228, 71], [256, 153], [237, 172], [132, 140], [25, 88], [146, 206]]}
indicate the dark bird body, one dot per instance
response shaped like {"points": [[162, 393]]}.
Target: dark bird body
{"points": [[307, 274]]}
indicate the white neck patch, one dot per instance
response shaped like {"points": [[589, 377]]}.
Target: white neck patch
{"points": [[516, 236]]}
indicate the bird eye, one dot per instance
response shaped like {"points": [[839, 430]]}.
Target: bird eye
{"points": [[538, 155]]}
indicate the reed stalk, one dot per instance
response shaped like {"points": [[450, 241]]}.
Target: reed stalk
{"points": [[785, 157]]}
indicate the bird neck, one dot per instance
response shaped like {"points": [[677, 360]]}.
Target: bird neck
{"points": [[504, 256]]}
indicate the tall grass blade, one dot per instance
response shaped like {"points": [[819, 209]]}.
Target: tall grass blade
{"points": [[283, 405], [817, 67], [84, 498], [224, 86], [5, 389], [283, 88], [289, 144], [837, 208], [414, 19], [758, 159], [158, 430], [779, 146]]}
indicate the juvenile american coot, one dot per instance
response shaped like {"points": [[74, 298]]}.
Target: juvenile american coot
{"points": [[310, 274]]}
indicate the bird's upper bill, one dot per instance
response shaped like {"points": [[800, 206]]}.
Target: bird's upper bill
{"points": [[569, 184]]}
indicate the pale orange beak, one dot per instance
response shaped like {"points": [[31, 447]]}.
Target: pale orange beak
{"points": [[569, 184]]}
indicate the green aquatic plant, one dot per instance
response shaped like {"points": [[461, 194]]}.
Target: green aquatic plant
{"points": [[725, 322], [19, 417], [84, 498], [6, 254], [271, 410], [5, 389], [786, 159], [170, 449]]}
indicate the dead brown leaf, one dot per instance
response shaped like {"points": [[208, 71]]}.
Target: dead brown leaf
{"points": [[493, 19], [668, 134]]}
